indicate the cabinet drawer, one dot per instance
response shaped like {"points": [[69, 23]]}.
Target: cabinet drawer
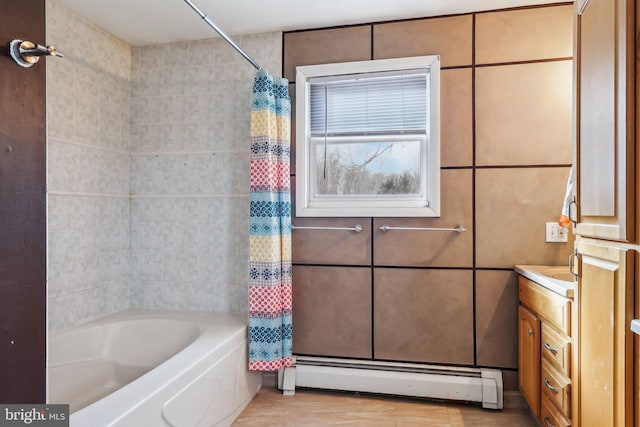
{"points": [[556, 387], [546, 304], [550, 415], [556, 348]]}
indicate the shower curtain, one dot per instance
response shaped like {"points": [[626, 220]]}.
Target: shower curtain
{"points": [[270, 331]]}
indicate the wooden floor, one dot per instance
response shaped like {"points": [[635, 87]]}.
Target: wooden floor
{"points": [[314, 409]]}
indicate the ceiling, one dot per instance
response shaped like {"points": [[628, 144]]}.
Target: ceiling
{"points": [[142, 22]]}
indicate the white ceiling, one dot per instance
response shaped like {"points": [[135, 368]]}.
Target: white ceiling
{"points": [[142, 22]]}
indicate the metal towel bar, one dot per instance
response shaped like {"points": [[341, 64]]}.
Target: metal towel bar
{"points": [[457, 228], [357, 228]]}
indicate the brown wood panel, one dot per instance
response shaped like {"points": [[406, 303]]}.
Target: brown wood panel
{"points": [[334, 247], [524, 35], [529, 358], [22, 211], [497, 319], [325, 47], [449, 37], [523, 114], [456, 112], [332, 311], [423, 315], [429, 248], [512, 205]]}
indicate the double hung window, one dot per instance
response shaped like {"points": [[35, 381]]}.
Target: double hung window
{"points": [[368, 138]]}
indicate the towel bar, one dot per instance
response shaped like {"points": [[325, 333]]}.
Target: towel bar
{"points": [[357, 228], [457, 228]]}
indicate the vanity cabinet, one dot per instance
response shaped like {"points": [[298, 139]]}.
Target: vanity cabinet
{"points": [[544, 344]]}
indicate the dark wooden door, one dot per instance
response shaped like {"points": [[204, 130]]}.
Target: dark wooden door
{"points": [[22, 209]]}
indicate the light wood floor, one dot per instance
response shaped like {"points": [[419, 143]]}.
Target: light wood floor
{"points": [[314, 409]]}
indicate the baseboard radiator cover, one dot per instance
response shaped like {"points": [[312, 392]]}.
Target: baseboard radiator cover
{"points": [[401, 379]]}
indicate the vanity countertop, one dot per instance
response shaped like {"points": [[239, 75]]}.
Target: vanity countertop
{"points": [[555, 278]]}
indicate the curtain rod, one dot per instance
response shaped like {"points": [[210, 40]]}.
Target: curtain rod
{"points": [[223, 34]]}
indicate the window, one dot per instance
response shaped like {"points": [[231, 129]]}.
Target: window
{"points": [[368, 138]]}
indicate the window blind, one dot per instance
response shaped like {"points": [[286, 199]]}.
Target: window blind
{"points": [[370, 104]]}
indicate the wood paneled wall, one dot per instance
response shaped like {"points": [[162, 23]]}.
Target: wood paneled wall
{"points": [[506, 153]]}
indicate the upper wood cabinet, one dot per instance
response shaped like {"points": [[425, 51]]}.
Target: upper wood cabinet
{"points": [[604, 118]]}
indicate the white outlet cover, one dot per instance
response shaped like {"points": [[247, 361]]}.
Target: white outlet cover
{"points": [[555, 233]]}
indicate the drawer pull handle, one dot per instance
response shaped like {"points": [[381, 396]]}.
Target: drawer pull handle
{"points": [[530, 331], [551, 349], [548, 385], [547, 423]]}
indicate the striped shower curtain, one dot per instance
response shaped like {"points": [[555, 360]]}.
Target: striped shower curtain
{"points": [[270, 332]]}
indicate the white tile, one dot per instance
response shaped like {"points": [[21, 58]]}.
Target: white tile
{"points": [[175, 82], [60, 119], [148, 57], [202, 52], [180, 252], [87, 123], [176, 54], [62, 312]]}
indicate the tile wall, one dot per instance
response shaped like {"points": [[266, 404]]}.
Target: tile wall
{"points": [[506, 154], [190, 119], [88, 109], [148, 158]]}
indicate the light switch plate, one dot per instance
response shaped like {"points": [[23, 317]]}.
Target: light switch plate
{"points": [[556, 234]]}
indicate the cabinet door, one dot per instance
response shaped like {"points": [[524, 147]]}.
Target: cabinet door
{"points": [[604, 128], [605, 304], [529, 358]]}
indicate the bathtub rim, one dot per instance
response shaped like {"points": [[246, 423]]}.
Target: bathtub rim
{"points": [[223, 329]]}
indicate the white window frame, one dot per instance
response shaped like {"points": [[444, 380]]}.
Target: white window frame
{"points": [[307, 205]]}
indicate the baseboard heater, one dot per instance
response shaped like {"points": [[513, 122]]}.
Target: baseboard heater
{"points": [[401, 379]]}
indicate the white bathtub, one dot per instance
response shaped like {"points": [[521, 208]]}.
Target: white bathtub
{"points": [[153, 368]]}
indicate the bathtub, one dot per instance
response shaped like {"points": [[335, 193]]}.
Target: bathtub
{"points": [[153, 368]]}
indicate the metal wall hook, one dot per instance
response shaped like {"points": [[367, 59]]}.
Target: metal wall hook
{"points": [[27, 53]]}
